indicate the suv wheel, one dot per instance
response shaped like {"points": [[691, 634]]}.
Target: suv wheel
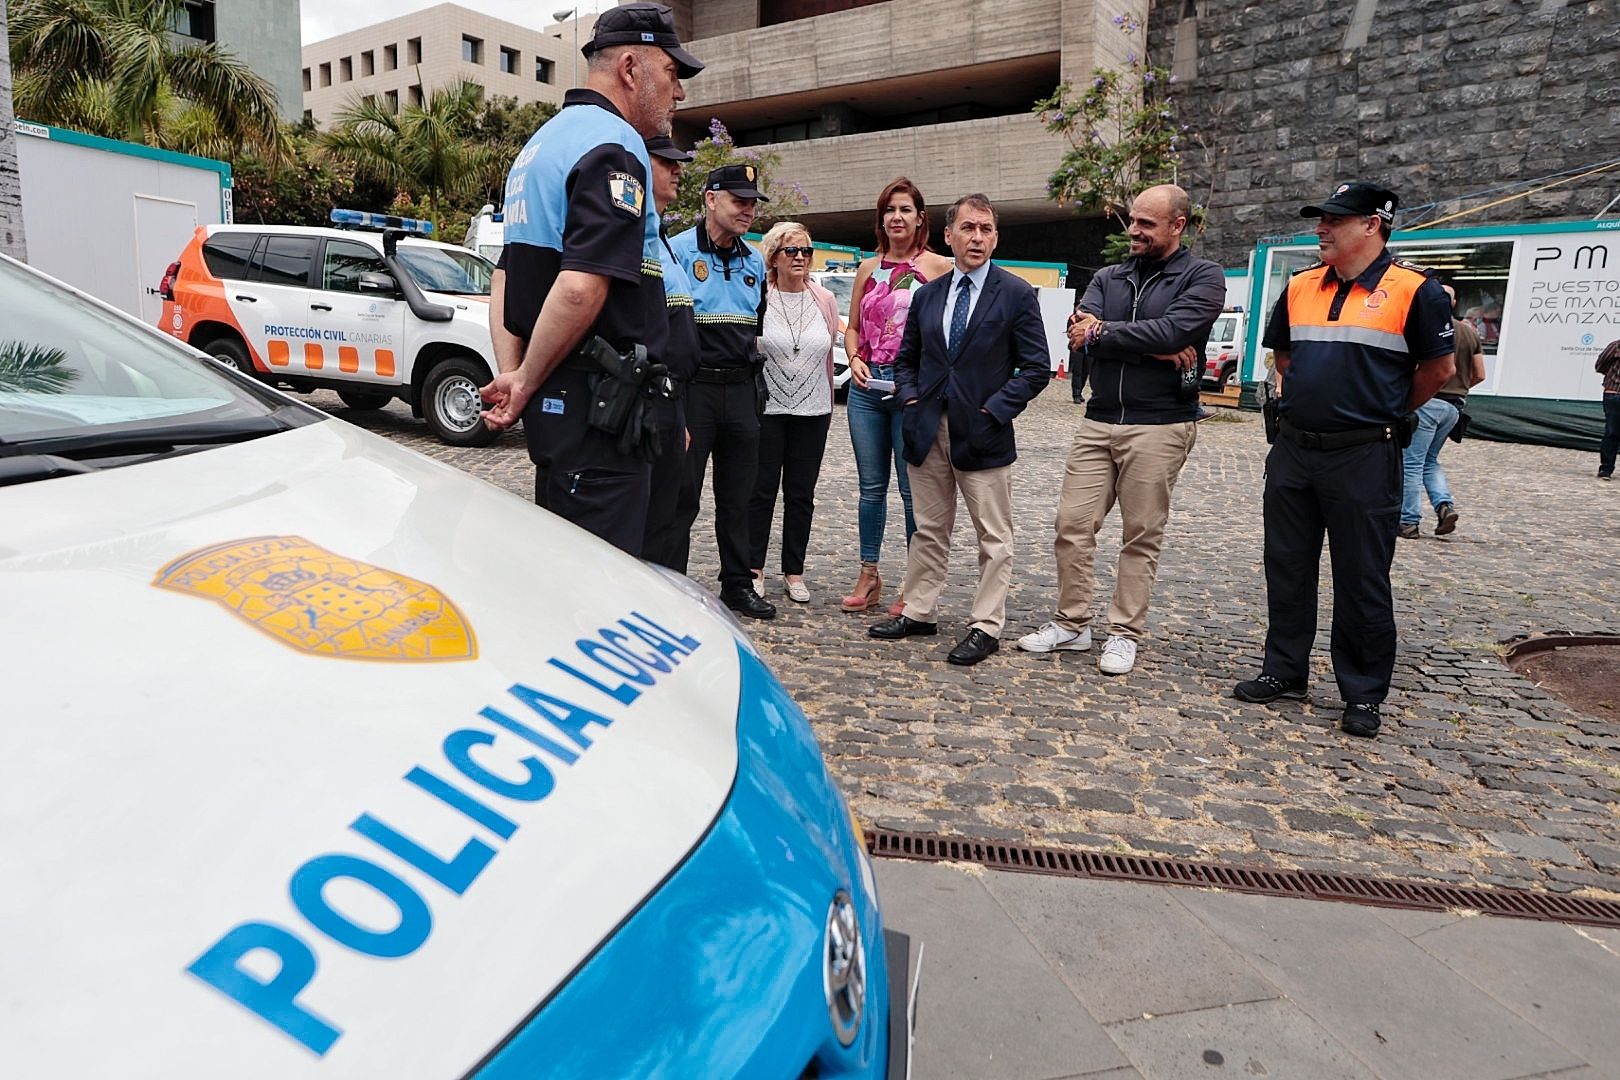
{"points": [[230, 352], [365, 400], [451, 403], [1228, 377]]}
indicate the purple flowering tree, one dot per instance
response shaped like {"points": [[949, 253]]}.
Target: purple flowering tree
{"points": [[787, 198]]}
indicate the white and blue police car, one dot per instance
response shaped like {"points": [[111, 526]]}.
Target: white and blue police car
{"points": [[325, 760]]}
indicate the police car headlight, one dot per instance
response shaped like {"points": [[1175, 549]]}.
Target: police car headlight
{"points": [[710, 602], [844, 968]]}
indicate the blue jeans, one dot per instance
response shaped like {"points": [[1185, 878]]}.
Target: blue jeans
{"points": [[1611, 434], [1420, 462], [874, 432]]}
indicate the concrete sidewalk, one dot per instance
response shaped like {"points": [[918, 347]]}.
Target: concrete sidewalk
{"points": [[1040, 978]]}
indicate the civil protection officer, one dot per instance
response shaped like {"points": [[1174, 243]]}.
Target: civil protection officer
{"points": [[669, 476], [722, 403], [583, 273], [1361, 341]]}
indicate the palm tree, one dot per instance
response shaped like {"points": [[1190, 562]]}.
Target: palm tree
{"points": [[36, 369], [422, 149], [113, 68]]}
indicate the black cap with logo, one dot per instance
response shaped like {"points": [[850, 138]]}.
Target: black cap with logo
{"points": [[662, 146], [1356, 198], [741, 180], [642, 24]]}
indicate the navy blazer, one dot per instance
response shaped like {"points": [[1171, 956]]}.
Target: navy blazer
{"points": [[1002, 365]]}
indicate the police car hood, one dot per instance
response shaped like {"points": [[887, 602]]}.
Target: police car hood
{"points": [[324, 759]]}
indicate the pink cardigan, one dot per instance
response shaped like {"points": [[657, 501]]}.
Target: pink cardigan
{"points": [[828, 303]]}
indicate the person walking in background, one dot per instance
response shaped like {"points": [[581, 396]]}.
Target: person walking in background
{"points": [[1143, 325], [973, 356], [880, 300], [801, 319], [1437, 419], [1608, 365]]}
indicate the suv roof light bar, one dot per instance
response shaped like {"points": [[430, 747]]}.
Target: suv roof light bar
{"points": [[360, 219]]}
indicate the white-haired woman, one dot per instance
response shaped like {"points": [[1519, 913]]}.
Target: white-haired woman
{"points": [[801, 319]]}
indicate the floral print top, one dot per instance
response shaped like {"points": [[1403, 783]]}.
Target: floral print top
{"points": [[884, 306]]}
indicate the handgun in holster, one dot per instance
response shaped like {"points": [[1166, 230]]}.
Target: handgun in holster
{"points": [[1405, 428], [756, 364], [621, 395], [1268, 412]]}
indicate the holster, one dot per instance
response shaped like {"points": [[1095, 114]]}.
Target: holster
{"points": [[1268, 412], [756, 363], [621, 395], [1405, 428]]}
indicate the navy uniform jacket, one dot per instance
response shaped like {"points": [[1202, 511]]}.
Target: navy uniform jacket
{"points": [[728, 296]]}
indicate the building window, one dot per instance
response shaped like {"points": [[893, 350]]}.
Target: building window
{"points": [[509, 61], [416, 94], [390, 57], [392, 99], [472, 50], [413, 52], [307, 83], [326, 74], [368, 64], [194, 19], [370, 99], [544, 70], [346, 69], [309, 117]]}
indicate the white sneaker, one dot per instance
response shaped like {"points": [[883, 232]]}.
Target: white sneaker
{"points": [[1053, 638], [797, 591], [759, 587], [1118, 655]]}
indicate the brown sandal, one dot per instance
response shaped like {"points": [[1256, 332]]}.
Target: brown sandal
{"points": [[868, 588]]}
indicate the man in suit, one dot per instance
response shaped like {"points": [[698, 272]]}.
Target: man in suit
{"points": [[973, 355]]}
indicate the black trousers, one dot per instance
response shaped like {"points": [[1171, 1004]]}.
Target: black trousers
{"points": [[579, 473], [723, 419], [669, 477], [1354, 494], [790, 453]]}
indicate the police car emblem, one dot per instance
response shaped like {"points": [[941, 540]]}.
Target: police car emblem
{"points": [[748, 280], [322, 603], [700, 270], [626, 192]]}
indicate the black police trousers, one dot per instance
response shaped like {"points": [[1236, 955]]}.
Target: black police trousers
{"points": [[663, 543], [1355, 495], [724, 421], [579, 473]]}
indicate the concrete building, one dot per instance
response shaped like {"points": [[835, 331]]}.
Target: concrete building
{"points": [[11, 221], [400, 61], [263, 34], [852, 93]]}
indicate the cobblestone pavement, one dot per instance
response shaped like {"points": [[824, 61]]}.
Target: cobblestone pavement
{"points": [[1478, 776]]}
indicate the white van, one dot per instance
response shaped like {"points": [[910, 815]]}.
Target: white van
{"points": [[1223, 355], [486, 233]]}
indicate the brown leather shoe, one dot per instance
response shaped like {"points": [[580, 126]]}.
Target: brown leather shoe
{"points": [[868, 588]]}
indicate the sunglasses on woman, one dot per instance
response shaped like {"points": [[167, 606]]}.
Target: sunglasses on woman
{"points": [[795, 252]]}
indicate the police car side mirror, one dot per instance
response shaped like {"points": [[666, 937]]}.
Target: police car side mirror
{"points": [[373, 282]]}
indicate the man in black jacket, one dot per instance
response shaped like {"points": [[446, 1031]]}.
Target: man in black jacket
{"points": [[1141, 329]]}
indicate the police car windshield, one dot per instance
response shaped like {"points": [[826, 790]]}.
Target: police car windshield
{"points": [[842, 286], [447, 270], [70, 370]]}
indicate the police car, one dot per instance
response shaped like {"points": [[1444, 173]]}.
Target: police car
{"points": [[375, 311], [842, 285], [324, 759], [486, 233]]}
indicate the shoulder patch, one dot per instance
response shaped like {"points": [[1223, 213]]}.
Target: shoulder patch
{"points": [[700, 270], [626, 192]]}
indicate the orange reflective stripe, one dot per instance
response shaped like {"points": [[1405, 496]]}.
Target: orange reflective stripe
{"points": [[314, 357], [280, 354], [385, 363], [348, 359]]}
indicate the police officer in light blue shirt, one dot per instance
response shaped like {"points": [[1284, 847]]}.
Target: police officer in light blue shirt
{"points": [[582, 261]]}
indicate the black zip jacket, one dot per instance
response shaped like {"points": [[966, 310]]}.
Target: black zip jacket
{"points": [[1148, 310]]}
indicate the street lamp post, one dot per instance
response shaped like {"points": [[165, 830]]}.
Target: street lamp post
{"points": [[571, 13]]}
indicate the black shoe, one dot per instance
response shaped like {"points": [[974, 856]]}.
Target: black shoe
{"points": [[1605, 476], [1360, 720], [973, 648], [1264, 689], [901, 627], [1448, 519], [1408, 532], [744, 601]]}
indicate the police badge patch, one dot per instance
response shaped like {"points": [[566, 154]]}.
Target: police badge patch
{"points": [[700, 270], [626, 192], [749, 280]]}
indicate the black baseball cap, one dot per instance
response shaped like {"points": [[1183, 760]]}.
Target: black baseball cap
{"points": [[741, 180], [1357, 198], [642, 24], [664, 147]]}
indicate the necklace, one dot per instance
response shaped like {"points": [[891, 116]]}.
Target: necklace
{"points": [[795, 318]]}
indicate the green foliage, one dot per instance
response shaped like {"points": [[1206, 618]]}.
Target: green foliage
{"points": [[1123, 135], [786, 198], [33, 369]]}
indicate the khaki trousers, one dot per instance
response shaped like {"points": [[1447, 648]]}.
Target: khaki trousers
{"points": [[1135, 465], [988, 495]]}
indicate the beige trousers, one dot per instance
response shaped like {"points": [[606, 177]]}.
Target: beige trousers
{"points": [[988, 495], [1135, 465]]}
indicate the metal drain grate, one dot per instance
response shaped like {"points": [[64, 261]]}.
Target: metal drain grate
{"points": [[1304, 884]]}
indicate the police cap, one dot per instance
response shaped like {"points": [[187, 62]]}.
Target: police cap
{"points": [[643, 24], [741, 180], [1356, 198], [662, 146]]}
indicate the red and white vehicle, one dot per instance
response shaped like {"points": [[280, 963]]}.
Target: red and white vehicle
{"points": [[1223, 355], [375, 313]]}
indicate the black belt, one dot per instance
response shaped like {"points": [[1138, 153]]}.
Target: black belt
{"points": [[1456, 401], [1334, 440], [722, 375]]}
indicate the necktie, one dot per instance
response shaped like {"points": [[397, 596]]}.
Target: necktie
{"points": [[959, 316]]}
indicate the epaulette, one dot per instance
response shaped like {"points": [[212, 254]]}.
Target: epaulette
{"points": [[1317, 265], [1424, 270]]}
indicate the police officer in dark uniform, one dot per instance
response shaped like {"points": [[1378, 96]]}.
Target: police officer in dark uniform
{"points": [[1361, 340], [723, 401], [664, 543], [584, 284]]}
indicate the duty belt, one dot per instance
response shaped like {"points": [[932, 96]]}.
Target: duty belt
{"points": [[722, 375], [1335, 440]]}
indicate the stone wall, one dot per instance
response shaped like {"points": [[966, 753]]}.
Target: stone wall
{"points": [[11, 223], [1436, 100]]}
